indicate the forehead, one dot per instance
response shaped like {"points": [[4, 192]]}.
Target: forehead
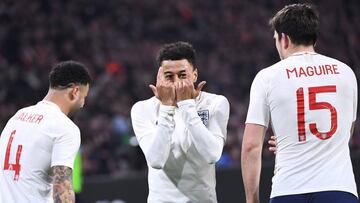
{"points": [[176, 65]]}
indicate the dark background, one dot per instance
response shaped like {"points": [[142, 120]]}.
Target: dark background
{"points": [[118, 41]]}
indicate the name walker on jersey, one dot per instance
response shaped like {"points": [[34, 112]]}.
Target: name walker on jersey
{"points": [[29, 117]]}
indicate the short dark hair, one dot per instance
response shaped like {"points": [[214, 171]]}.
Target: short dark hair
{"points": [[177, 51], [299, 21], [67, 73]]}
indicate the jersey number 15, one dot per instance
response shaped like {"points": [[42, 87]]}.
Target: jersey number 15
{"points": [[314, 105]]}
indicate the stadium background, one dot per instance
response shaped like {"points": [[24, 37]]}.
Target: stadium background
{"points": [[118, 41]]}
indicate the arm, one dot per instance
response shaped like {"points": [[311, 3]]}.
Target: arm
{"points": [[155, 137], [251, 160], [257, 120], [62, 184], [65, 147], [154, 140], [209, 141]]}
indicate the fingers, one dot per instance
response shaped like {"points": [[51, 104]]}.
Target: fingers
{"points": [[273, 149], [200, 86], [184, 89], [182, 85], [160, 76], [272, 143], [198, 89], [153, 89]]}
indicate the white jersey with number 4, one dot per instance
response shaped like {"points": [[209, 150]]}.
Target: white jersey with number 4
{"points": [[35, 139], [311, 101]]}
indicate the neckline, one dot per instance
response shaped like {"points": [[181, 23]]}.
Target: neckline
{"points": [[303, 53], [49, 103]]}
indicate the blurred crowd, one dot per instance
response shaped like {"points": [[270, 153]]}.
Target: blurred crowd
{"points": [[119, 40]]}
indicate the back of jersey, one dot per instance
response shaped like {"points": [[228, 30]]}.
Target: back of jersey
{"points": [[26, 153], [312, 100]]}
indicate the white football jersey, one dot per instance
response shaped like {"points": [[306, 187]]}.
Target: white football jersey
{"points": [[311, 101], [35, 139], [184, 139]]}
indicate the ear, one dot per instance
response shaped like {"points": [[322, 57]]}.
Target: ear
{"points": [[74, 92], [195, 72], [285, 39]]}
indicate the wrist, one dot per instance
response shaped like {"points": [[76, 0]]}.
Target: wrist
{"points": [[178, 99], [186, 102], [168, 103]]}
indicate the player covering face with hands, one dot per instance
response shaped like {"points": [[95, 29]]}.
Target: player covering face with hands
{"points": [[175, 82], [181, 130]]}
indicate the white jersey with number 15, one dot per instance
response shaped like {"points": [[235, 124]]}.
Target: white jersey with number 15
{"points": [[311, 102]]}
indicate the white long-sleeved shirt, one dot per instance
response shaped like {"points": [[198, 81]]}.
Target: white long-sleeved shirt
{"points": [[181, 145]]}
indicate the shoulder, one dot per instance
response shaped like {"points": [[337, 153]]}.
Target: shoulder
{"points": [[265, 74], [215, 105], [330, 59], [340, 65], [272, 70], [336, 61], [60, 124], [214, 99], [212, 96], [71, 125], [145, 106]]}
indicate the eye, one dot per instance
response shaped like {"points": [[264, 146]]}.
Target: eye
{"points": [[182, 76], [168, 77]]}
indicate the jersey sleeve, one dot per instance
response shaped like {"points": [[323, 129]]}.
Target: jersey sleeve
{"points": [[258, 111], [65, 148], [154, 138], [208, 138], [221, 117]]}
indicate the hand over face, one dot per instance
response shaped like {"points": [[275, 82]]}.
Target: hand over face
{"points": [[164, 90], [184, 90], [175, 82]]}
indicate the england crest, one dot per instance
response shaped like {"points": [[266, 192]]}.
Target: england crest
{"points": [[204, 115]]}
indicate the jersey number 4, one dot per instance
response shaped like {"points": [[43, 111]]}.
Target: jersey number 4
{"points": [[314, 105], [13, 167]]}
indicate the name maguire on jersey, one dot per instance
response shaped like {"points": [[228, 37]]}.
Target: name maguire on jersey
{"points": [[309, 71]]}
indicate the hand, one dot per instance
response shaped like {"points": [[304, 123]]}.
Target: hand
{"points": [[198, 89], [184, 90], [164, 90], [272, 143]]}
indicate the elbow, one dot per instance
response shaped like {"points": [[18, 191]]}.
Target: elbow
{"points": [[249, 150], [156, 163], [212, 158]]}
